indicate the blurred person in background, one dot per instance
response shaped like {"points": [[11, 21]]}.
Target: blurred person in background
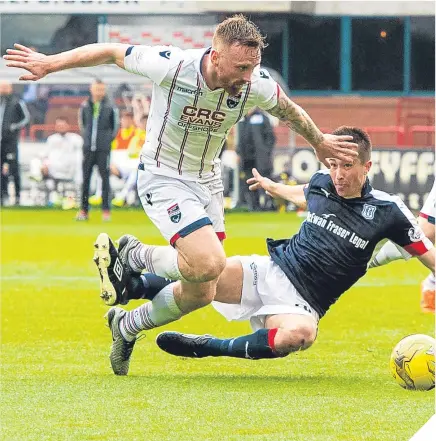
{"points": [[119, 155], [13, 117], [64, 158], [390, 251], [99, 122], [128, 171], [255, 146], [126, 132], [140, 107]]}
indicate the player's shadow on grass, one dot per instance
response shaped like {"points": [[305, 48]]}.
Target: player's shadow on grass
{"points": [[285, 378]]}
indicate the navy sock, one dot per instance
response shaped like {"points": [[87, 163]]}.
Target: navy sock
{"points": [[254, 346], [146, 286]]}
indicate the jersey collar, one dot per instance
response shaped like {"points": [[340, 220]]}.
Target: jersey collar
{"points": [[200, 64]]}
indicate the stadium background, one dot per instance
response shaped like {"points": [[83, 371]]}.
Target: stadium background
{"points": [[369, 64]]}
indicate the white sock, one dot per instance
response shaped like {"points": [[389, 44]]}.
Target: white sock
{"points": [[161, 310], [429, 282], [159, 260], [388, 253]]}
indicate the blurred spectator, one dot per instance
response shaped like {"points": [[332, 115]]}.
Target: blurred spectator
{"points": [[99, 122], [138, 140], [63, 162], [123, 96], [13, 117], [129, 170], [126, 131], [125, 167], [256, 142], [125, 134], [140, 107]]}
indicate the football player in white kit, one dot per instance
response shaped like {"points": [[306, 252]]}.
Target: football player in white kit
{"points": [[390, 252], [198, 96], [426, 221], [63, 157]]}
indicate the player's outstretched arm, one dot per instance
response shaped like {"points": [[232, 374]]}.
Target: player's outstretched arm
{"points": [[39, 65], [325, 145], [291, 193]]}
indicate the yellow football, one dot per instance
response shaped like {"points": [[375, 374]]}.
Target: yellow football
{"points": [[412, 362]]}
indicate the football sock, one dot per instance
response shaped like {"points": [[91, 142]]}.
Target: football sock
{"points": [[160, 311], [388, 253], [159, 260], [429, 282], [255, 346], [146, 286]]}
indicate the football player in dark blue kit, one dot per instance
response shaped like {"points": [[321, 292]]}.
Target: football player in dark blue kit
{"points": [[285, 293]]}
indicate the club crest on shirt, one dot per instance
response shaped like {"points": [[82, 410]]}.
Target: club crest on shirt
{"points": [[233, 101], [174, 213], [415, 234], [368, 211]]}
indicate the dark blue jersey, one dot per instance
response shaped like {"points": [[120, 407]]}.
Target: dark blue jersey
{"points": [[336, 241]]}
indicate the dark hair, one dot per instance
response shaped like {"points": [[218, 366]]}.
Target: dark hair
{"points": [[361, 138], [62, 118], [238, 29]]}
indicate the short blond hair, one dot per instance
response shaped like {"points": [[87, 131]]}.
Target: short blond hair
{"points": [[239, 30]]}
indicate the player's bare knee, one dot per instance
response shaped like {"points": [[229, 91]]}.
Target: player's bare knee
{"points": [[298, 338], [207, 268], [196, 296]]}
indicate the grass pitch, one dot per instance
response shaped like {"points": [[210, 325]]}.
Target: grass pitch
{"points": [[57, 383]]}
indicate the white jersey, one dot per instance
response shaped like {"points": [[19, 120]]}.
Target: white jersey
{"points": [[429, 208], [188, 123]]}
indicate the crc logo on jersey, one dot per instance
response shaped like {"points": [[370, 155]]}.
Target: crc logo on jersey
{"points": [[199, 119], [368, 211], [174, 213], [415, 234], [233, 101], [165, 54]]}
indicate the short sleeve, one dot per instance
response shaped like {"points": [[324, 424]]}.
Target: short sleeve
{"points": [[268, 90], [405, 231], [152, 62]]}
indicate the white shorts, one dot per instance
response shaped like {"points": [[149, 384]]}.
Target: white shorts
{"points": [[179, 207], [265, 291], [428, 209]]}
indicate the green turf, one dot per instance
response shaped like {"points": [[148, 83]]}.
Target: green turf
{"points": [[57, 383]]}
